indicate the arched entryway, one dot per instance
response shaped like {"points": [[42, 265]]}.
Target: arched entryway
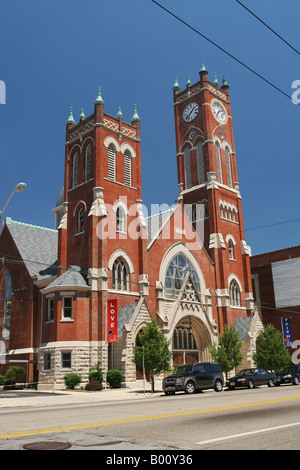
{"points": [[190, 341]]}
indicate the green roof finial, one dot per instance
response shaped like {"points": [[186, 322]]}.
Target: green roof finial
{"points": [[176, 85], [119, 112], [188, 82], [203, 69], [135, 117], [82, 115], [224, 81], [70, 118], [99, 99], [216, 80]]}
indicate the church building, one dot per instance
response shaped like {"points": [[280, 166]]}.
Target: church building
{"points": [[187, 266]]}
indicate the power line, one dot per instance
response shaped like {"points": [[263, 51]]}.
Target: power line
{"points": [[223, 50], [267, 26]]}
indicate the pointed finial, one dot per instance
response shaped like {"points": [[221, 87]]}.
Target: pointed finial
{"points": [[71, 118], [119, 112], [176, 85], [135, 117], [99, 99], [216, 80], [82, 115], [203, 69], [224, 81], [188, 82]]}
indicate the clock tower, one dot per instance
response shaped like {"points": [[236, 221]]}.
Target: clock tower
{"points": [[208, 184]]}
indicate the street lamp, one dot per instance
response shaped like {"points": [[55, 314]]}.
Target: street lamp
{"points": [[20, 187]]}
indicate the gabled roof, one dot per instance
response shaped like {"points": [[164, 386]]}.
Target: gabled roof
{"points": [[37, 247], [156, 222]]}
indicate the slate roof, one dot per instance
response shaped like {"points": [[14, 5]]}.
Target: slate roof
{"points": [[37, 247], [73, 277], [242, 325], [124, 316]]}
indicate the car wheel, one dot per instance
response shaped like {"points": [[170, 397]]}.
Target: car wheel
{"points": [[296, 381], [270, 383], [250, 384], [190, 387], [218, 386]]}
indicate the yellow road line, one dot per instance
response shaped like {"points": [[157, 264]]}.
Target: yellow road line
{"points": [[142, 418]]}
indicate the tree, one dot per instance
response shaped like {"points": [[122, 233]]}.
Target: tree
{"points": [[271, 352], [157, 355], [228, 352]]}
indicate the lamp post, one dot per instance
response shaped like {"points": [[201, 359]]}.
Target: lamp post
{"points": [[20, 187]]}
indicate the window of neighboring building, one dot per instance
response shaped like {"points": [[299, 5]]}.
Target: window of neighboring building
{"points": [[47, 361], [50, 312], [111, 174], [175, 274], [66, 360], [67, 307], [120, 273], [234, 294]]}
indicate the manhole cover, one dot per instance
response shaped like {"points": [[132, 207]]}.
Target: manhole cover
{"points": [[47, 445]]}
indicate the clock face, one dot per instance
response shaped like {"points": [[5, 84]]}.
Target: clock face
{"points": [[219, 112], [190, 112]]}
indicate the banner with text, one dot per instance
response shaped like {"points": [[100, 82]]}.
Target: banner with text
{"points": [[112, 321], [287, 331]]}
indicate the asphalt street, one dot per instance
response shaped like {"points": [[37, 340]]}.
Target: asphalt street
{"points": [[125, 420]]}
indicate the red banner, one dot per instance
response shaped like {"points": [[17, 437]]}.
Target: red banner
{"points": [[112, 321]]}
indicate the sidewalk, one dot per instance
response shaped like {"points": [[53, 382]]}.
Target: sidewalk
{"points": [[25, 398]]}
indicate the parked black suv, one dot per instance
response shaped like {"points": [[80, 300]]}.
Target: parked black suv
{"points": [[288, 375], [192, 377]]}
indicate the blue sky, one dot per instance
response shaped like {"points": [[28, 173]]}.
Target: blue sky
{"points": [[55, 55]]}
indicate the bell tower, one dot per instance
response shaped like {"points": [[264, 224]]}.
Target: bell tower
{"points": [[208, 181]]}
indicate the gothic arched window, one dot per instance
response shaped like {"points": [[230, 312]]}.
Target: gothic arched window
{"points": [[127, 168], [219, 164], [120, 274], [75, 170], [111, 173], [187, 164], [228, 167], [234, 293], [120, 220], [7, 306], [200, 160], [88, 163], [175, 274], [231, 249], [80, 219]]}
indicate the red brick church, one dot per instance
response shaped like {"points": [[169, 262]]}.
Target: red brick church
{"points": [[187, 266]]}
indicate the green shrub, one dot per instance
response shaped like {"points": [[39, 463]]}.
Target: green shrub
{"points": [[15, 374], [93, 386], [2, 380], [96, 373], [114, 378], [71, 380]]}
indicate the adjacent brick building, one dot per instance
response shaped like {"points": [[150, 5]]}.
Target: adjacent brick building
{"points": [[188, 266], [276, 285]]}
